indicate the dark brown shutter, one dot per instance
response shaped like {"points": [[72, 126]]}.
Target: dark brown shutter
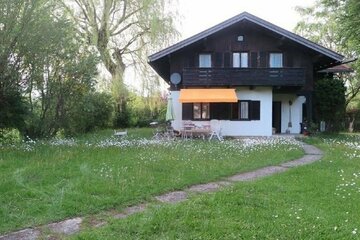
{"points": [[186, 63], [220, 111], [218, 59], [263, 60], [227, 61], [255, 110], [235, 111], [187, 111], [254, 60], [192, 61], [289, 60]]}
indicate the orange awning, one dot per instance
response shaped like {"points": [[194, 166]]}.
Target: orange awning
{"points": [[207, 95]]}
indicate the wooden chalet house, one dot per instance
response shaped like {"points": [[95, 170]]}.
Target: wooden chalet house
{"points": [[254, 76]]}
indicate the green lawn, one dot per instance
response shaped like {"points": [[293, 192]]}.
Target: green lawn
{"points": [[46, 181], [317, 201]]}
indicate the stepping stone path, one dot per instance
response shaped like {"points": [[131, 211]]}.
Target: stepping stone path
{"points": [[172, 197], [72, 226]]}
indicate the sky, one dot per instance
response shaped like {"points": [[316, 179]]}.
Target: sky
{"points": [[198, 15]]}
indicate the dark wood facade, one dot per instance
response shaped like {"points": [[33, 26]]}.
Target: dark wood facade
{"points": [[298, 66]]}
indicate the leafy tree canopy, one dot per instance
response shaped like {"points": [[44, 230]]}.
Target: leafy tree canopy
{"points": [[335, 24]]}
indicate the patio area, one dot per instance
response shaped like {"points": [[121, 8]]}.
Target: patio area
{"points": [[189, 130]]}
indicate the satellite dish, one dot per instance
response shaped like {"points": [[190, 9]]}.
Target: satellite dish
{"points": [[175, 78]]}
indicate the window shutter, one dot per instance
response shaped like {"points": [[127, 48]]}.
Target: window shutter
{"points": [[235, 111], [255, 110], [218, 59], [187, 111], [263, 60], [254, 60], [192, 63], [227, 57], [289, 60], [220, 111]]}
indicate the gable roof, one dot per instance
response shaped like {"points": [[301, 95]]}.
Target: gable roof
{"points": [[251, 18]]}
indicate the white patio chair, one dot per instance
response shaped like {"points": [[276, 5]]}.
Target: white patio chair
{"points": [[186, 129], [215, 126]]}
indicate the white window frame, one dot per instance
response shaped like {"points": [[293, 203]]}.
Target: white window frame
{"points": [[276, 60], [240, 59], [244, 60], [244, 110], [205, 60], [201, 111]]}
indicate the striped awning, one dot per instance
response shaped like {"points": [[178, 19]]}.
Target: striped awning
{"points": [[207, 95]]}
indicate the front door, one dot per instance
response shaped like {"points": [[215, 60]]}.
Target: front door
{"points": [[276, 116]]}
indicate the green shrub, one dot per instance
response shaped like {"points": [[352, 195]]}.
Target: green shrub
{"points": [[10, 135], [122, 119], [13, 108], [93, 111], [144, 110], [330, 103]]}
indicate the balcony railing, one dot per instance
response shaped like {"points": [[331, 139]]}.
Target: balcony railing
{"points": [[244, 76]]}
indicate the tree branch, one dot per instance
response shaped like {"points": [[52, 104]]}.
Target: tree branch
{"points": [[123, 28], [133, 39], [123, 19]]}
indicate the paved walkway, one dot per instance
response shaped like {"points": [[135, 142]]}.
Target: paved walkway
{"points": [[72, 226]]}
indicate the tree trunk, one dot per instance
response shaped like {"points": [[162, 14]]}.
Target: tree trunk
{"points": [[116, 69], [118, 89], [351, 122]]}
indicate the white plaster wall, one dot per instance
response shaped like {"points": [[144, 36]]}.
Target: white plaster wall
{"points": [[177, 107], [262, 127], [296, 111]]}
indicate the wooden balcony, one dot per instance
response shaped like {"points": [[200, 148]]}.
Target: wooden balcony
{"points": [[243, 76]]}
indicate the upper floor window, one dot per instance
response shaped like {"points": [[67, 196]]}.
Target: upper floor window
{"points": [[205, 60], [276, 60], [240, 60]]}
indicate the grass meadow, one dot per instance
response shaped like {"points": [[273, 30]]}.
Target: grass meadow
{"points": [[51, 180], [317, 201]]}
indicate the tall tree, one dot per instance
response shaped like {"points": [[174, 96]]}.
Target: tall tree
{"points": [[18, 23], [334, 24], [122, 31], [43, 64]]}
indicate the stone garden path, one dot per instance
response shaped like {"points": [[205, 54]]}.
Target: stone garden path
{"points": [[71, 226]]}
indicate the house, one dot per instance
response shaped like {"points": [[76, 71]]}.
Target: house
{"points": [[254, 76]]}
